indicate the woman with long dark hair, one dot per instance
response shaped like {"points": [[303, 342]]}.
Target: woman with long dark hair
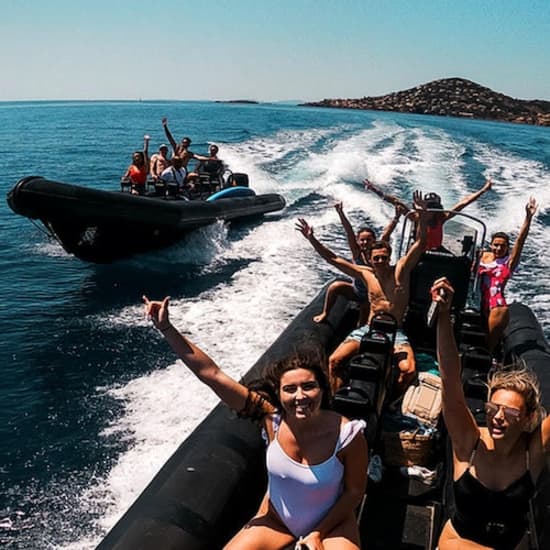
{"points": [[316, 459]]}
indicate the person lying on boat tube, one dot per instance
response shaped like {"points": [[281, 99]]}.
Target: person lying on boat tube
{"points": [[495, 468], [316, 459], [388, 288], [496, 266], [359, 244], [431, 201], [137, 172]]}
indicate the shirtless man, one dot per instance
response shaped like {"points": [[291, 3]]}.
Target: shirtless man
{"points": [[388, 292], [159, 162], [359, 244], [180, 149]]}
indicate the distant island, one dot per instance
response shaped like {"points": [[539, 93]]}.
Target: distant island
{"points": [[451, 97], [246, 101]]}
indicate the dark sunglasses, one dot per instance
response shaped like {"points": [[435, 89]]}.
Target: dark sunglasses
{"points": [[379, 259], [510, 413]]}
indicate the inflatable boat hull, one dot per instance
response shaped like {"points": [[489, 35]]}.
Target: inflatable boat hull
{"points": [[103, 226], [214, 482]]}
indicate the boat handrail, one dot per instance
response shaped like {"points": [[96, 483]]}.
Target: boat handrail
{"points": [[474, 246]]}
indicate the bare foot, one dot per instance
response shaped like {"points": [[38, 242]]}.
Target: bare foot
{"points": [[320, 318]]}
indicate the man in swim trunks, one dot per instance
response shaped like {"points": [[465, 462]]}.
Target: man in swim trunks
{"points": [[388, 292], [359, 244]]}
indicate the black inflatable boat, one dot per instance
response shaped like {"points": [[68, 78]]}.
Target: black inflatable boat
{"points": [[215, 480], [103, 226]]}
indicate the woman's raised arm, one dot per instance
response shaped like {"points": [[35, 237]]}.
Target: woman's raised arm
{"points": [[231, 392], [530, 209], [460, 422]]}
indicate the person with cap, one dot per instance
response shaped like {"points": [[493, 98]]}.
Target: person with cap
{"points": [[159, 162], [431, 201], [174, 177]]}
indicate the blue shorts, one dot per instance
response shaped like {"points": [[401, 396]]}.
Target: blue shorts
{"points": [[358, 333]]}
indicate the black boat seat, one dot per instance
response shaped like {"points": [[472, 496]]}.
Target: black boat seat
{"points": [[210, 176], [236, 179], [125, 184], [433, 265]]}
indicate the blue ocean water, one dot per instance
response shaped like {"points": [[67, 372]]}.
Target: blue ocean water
{"points": [[92, 403]]}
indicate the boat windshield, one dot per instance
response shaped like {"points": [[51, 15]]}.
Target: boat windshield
{"points": [[462, 235]]}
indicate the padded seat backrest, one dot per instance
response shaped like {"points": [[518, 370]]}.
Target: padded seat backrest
{"points": [[433, 265], [213, 168]]}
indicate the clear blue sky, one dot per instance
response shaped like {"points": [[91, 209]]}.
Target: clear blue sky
{"points": [[268, 50]]}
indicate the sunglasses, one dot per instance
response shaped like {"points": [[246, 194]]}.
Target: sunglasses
{"points": [[510, 413], [380, 259]]}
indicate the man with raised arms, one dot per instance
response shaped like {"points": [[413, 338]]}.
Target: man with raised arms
{"points": [[388, 292], [359, 244]]}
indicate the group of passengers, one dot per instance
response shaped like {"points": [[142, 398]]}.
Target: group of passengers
{"points": [[317, 459], [171, 174]]}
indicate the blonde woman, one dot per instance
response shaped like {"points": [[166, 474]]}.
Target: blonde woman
{"points": [[494, 467]]}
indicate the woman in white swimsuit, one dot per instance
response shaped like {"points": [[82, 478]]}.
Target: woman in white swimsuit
{"points": [[316, 459]]}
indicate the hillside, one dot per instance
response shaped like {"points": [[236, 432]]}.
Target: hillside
{"points": [[451, 97]]}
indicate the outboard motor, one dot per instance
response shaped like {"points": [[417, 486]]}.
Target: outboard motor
{"points": [[369, 373]]}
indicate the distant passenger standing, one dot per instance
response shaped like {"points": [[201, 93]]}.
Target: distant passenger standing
{"points": [[182, 150]]}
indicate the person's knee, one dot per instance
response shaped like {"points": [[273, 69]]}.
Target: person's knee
{"points": [[404, 359], [338, 360]]}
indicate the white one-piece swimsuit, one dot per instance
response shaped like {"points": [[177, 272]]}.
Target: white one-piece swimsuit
{"points": [[302, 494]]}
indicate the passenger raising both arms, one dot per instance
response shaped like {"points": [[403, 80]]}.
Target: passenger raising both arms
{"points": [[359, 244], [495, 467], [388, 292], [495, 268], [316, 459], [431, 201]]}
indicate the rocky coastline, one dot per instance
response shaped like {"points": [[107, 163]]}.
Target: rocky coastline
{"points": [[456, 97]]}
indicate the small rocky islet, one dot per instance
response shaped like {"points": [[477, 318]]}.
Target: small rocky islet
{"points": [[456, 97]]}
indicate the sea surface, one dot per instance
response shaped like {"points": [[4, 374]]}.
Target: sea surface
{"points": [[92, 402]]}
